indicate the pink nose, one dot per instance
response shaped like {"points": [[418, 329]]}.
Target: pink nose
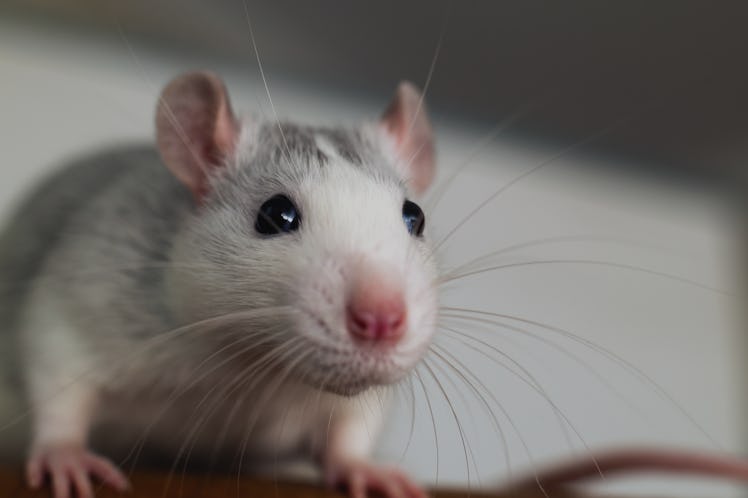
{"points": [[376, 314]]}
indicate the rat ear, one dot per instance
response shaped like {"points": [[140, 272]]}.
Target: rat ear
{"points": [[407, 122], [195, 128]]}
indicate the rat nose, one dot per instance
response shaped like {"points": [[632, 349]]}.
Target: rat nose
{"points": [[376, 311], [382, 323]]}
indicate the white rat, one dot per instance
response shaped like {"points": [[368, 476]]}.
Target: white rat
{"points": [[242, 294], [243, 302]]}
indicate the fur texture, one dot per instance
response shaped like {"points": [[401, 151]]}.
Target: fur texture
{"points": [[141, 315]]}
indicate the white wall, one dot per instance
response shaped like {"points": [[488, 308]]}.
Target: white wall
{"points": [[61, 95]]}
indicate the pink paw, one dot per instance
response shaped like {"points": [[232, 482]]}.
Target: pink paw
{"points": [[70, 469], [359, 478]]}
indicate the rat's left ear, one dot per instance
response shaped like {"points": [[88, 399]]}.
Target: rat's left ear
{"points": [[408, 124]]}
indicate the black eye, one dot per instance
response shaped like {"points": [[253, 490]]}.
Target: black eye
{"points": [[277, 215], [414, 218]]}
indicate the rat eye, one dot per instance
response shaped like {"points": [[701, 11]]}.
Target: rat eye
{"points": [[277, 215], [414, 218]]}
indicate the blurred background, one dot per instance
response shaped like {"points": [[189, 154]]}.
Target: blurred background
{"points": [[637, 111]]}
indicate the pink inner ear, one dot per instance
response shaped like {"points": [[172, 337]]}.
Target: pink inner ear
{"points": [[407, 121], [226, 130], [196, 129]]}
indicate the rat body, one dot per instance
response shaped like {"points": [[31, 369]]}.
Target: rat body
{"points": [[236, 294], [245, 300]]}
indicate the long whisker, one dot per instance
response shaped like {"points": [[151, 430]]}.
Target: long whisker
{"points": [[264, 79], [500, 431], [261, 364], [454, 416], [492, 134], [194, 382], [193, 432], [270, 391], [528, 377], [171, 116], [591, 262], [152, 342], [539, 390], [509, 419], [432, 67], [418, 377], [577, 145], [412, 424], [627, 365], [547, 241], [576, 358]]}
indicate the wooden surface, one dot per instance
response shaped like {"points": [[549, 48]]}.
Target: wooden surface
{"points": [[147, 485]]}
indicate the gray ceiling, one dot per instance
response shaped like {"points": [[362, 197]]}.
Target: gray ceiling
{"points": [[674, 71]]}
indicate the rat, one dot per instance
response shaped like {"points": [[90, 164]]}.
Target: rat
{"points": [[243, 287]]}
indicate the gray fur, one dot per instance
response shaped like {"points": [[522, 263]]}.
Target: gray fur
{"points": [[284, 140], [98, 237], [84, 214]]}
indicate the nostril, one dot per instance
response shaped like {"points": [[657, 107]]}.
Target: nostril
{"points": [[377, 325], [363, 323], [397, 321]]}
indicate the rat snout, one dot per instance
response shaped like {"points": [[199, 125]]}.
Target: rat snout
{"points": [[378, 321], [376, 310]]}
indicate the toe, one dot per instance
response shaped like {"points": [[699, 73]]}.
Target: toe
{"points": [[412, 490], [82, 483], [391, 488], [107, 472], [34, 474], [60, 483], [357, 485]]}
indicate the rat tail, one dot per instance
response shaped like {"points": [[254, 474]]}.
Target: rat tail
{"points": [[637, 460]]}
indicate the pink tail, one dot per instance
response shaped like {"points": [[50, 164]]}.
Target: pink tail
{"points": [[624, 461]]}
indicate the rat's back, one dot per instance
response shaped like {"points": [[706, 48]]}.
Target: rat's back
{"points": [[37, 225]]}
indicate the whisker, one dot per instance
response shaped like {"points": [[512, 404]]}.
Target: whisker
{"points": [[579, 144], [184, 388], [482, 399], [529, 378], [412, 424], [454, 416], [193, 433], [432, 67], [433, 422], [153, 342], [171, 116], [492, 134], [270, 391], [627, 365], [609, 264], [547, 241], [264, 80], [511, 422], [576, 358], [241, 381]]}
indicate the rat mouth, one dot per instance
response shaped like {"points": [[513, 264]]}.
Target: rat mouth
{"points": [[350, 371], [340, 365]]}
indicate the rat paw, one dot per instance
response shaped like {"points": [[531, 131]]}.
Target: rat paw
{"points": [[361, 478], [70, 469]]}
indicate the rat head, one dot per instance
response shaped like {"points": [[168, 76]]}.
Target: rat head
{"points": [[305, 239]]}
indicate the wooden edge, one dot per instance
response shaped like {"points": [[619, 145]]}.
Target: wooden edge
{"points": [[163, 485]]}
